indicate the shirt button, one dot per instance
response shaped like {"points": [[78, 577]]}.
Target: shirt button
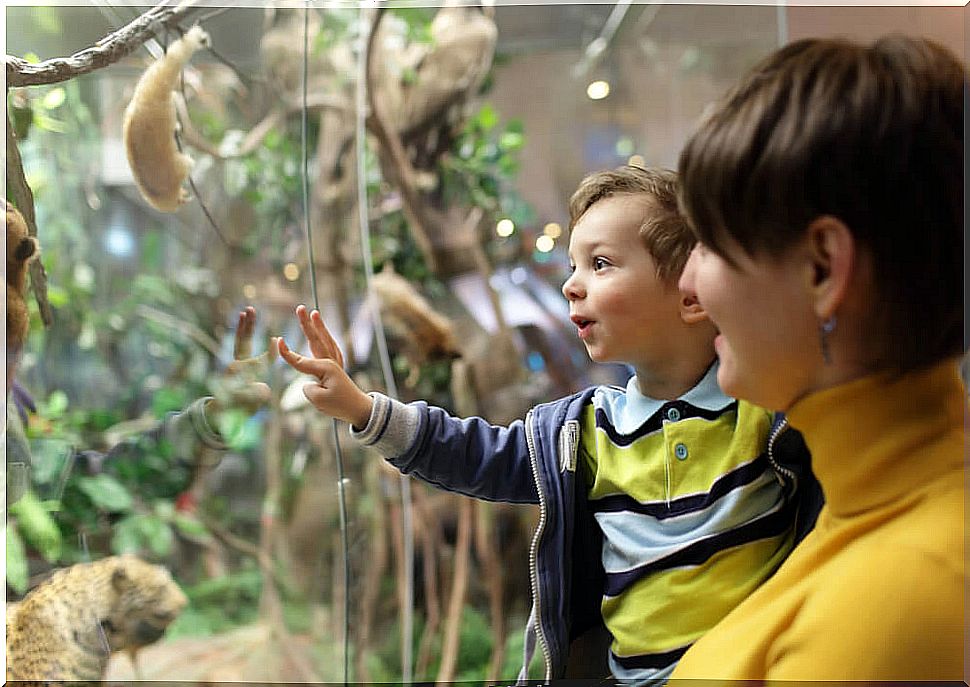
{"points": [[673, 414], [680, 450]]}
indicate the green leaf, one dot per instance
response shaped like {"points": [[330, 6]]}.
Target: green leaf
{"points": [[49, 123], [50, 458], [56, 405], [125, 538], [409, 75], [164, 509], [240, 431], [515, 126], [16, 560], [511, 140], [156, 533], [58, 296], [106, 493], [166, 400], [191, 527], [487, 117], [54, 98], [37, 526]]}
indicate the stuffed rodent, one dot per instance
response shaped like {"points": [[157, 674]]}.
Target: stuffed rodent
{"points": [[149, 127], [22, 249]]}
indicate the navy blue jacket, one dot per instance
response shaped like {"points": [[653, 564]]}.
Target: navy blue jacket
{"points": [[534, 461]]}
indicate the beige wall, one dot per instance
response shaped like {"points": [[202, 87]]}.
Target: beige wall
{"points": [[656, 100], [944, 24]]}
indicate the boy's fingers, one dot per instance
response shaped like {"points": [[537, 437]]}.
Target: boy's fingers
{"points": [[333, 350], [311, 366], [312, 333]]}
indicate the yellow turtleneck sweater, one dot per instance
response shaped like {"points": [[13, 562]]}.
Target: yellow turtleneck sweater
{"points": [[876, 590]]}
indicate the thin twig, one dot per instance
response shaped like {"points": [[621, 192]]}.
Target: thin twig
{"points": [[187, 328]]}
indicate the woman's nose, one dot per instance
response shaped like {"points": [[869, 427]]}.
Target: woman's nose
{"points": [[686, 281]]}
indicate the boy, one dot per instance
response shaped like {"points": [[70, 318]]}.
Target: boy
{"points": [[660, 507]]}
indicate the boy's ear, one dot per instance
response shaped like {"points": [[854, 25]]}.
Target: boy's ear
{"points": [[691, 310], [832, 251]]}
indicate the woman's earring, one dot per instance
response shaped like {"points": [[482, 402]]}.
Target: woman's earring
{"points": [[824, 329]]}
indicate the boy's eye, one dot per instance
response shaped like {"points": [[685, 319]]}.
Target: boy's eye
{"points": [[572, 268], [600, 263]]}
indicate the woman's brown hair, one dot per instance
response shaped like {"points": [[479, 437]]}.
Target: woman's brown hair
{"points": [[871, 135]]}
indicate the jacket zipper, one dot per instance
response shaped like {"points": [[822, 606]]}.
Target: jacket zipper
{"points": [[790, 474], [534, 550]]}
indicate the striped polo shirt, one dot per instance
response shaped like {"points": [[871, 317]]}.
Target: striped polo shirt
{"points": [[693, 516]]}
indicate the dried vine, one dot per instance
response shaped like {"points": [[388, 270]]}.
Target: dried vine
{"points": [[105, 52]]}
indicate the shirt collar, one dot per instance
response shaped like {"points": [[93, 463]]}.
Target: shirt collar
{"points": [[628, 411]]}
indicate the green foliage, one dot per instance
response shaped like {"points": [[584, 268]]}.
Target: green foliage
{"points": [[219, 604], [16, 560], [141, 532], [474, 654], [484, 162], [36, 526], [418, 21], [239, 430], [106, 493]]}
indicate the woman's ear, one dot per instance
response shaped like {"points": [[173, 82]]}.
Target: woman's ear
{"points": [[832, 251], [691, 310]]}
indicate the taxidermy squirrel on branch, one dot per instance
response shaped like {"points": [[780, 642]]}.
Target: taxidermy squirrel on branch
{"points": [[22, 249], [149, 127]]}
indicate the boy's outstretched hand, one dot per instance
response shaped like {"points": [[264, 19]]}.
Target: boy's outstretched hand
{"points": [[335, 392]]}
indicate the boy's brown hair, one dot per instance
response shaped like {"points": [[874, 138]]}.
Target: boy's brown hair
{"points": [[664, 230], [871, 135]]}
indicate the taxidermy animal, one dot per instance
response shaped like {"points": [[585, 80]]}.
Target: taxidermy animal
{"points": [[22, 249], [68, 627], [424, 334], [429, 107], [149, 127]]}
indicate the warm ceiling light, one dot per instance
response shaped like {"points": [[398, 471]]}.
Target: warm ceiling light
{"points": [[505, 227], [291, 271], [598, 90], [552, 230], [544, 244]]}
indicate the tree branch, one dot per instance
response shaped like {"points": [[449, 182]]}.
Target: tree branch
{"points": [[393, 152], [23, 199], [108, 50]]}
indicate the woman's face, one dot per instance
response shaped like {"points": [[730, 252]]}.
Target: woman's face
{"points": [[768, 341]]}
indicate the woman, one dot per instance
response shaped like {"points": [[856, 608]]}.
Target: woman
{"points": [[826, 193]]}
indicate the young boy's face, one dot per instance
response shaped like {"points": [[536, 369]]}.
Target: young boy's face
{"points": [[619, 305]]}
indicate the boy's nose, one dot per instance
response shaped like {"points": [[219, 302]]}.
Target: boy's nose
{"points": [[571, 288]]}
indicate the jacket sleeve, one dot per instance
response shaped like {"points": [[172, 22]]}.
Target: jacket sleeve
{"points": [[792, 453], [168, 453], [468, 456]]}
